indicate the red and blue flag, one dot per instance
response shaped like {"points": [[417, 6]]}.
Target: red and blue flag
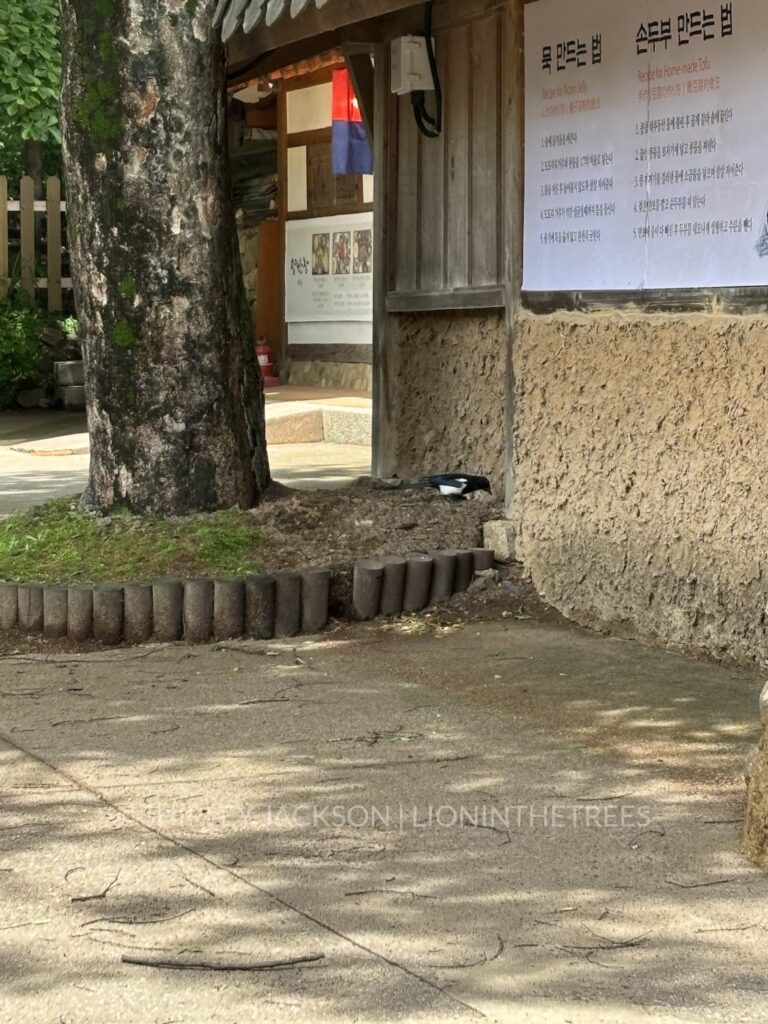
{"points": [[351, 148]]}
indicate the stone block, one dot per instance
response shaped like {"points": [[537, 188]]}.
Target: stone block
{"points": [[347, 426], [80, 613], [499, 536], [304, 427], [55, 612], [69, 373], [31, 608], [198, 610], [72, 397], [108, 613], [30, 398], [9, 605], [228, 609], [137, 612]]}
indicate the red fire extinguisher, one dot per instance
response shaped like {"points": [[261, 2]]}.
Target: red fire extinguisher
{"points": [[264, 355]]}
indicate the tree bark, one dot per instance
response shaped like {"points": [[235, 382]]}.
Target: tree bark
{"points": [[174, 396]]}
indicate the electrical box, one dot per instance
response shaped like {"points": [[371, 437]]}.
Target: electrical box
{"points": [[410, 66]]}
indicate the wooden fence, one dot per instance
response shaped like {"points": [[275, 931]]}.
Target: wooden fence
{"points": [[31, 241]]}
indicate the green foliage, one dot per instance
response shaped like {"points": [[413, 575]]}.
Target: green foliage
{"points": [[30, 69], [127, 287], [123, 335], [69, 326], [19, 351], [98, 113], [57, 543]]}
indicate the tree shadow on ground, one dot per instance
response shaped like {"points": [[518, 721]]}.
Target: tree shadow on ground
{"points": [[507, 817]]}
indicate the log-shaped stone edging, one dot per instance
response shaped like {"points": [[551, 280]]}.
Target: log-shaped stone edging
{"points": [[284, 604], [390, 586]]}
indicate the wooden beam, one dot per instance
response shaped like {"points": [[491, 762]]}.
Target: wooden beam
{"points": [[311, 23], [360, 68], [447, 299]]}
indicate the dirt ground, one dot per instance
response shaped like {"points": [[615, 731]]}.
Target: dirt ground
{"points": [[474, 815], [335, 528]]}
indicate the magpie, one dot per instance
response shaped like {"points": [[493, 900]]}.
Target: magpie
{"points": [[457, 485]]}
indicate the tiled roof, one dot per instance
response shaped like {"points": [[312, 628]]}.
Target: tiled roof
{"points": [[247, 14]]}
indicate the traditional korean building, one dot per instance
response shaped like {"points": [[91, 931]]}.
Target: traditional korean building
{"points": [[568, 281]]}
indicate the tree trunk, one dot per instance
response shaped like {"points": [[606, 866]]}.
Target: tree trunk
{"points": [[174, 396]]}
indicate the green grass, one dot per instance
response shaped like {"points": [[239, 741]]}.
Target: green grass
{"points": [[57, 543]]}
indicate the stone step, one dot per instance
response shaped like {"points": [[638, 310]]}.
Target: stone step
{"points": [[305, 423], [69, 373], [72, 397]]}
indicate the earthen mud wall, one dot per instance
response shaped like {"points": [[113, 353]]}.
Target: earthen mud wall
{"points": [[449, 404], [642, 474]]}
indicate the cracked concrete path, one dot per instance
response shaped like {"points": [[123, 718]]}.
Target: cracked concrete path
{"points": [[509, 821]]}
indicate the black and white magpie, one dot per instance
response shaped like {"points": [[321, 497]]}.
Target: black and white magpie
{"points": [[457, 485]]}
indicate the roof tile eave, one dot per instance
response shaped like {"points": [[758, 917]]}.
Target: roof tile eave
{"points": [[232, 15]]}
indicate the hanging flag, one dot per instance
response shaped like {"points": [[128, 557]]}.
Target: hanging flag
{"points": [[351, 149]]}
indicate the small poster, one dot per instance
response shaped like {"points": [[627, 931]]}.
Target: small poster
{"points": [[329, 269]]}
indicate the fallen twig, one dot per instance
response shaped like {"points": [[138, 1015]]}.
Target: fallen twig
{"points": [[197, 885], [136, 920], [88, 721], [698, 885], [491, 828], [484, 959], [741, 928], [211, 965], [393, 892], [97, 895], [415, 761], [85, 659], [264, 700]]}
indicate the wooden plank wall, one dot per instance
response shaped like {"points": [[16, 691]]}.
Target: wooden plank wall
{"points": [[449, 227]]}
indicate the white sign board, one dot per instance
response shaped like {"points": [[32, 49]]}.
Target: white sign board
{"points": [[646, 129], [329, 269]]}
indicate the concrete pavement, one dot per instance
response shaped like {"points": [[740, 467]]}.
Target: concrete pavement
{"points": [[45, 455], [509, 821]]}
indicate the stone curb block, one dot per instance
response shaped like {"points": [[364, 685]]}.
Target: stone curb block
{"points": [[284, 604], [30, 608], [287, 604], [228, 608], [9, 605], [55, 603], [137, 612], [108, 613], [79, 613], [198, 610]]}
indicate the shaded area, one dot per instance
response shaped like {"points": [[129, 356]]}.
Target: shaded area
{"points": [[194, 774]]}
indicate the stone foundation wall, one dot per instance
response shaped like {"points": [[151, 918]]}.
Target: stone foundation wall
{"points": [[347, 376], [642, 475], [449, 394]]}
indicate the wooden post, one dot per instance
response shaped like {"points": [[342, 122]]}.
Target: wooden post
{"points": [[3, 237], [384, 187], [28, 237], [53, 206], [512, 173]]}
